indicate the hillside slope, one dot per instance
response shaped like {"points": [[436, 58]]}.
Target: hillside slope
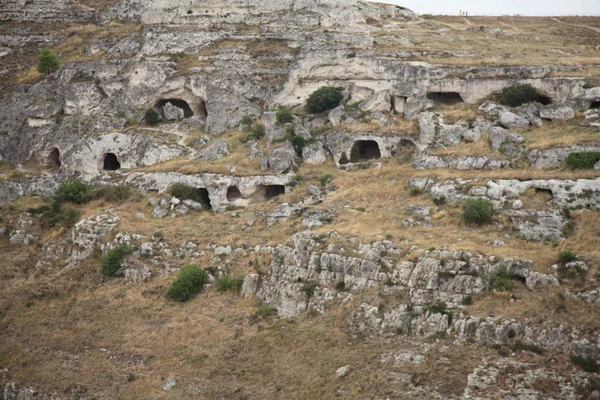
{"points": [[428, 229]]}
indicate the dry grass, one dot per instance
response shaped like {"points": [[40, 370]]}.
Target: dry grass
{"points": [[479, 148], [556, 134]]}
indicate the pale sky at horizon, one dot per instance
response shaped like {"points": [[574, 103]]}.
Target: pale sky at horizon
{"points": [[502, 7]]}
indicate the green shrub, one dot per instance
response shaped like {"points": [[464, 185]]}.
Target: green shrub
{"points": [[255, 131], [72, 191], [477, 211], [265, 310], [152, 117], [113, 194], [185, 192], [439, 201], [340, 286], [568, 229], [565, 257], [500, 279], [588, 364], [583, 159], [188, 283], [467, 301], [232, 283], [515, 96], [48, 61], [284, 115], [54, 216], [69, 217], [309, 289], [298, 143], [111, 261], [324, 99]]}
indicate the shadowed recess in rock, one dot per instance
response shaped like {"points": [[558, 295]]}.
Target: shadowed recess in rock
{"points": [[182, 104], [233, 193], [364, 150], [445, 98], [111, 162], [54, 159], [594, 105]]}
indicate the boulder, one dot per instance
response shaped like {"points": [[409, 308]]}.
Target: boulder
{"points": [[564, 113], [215, 151], [250, 285], [172, 113], [380, 101], [342, 371], [512, 121], [497, 137], [281, 160], [314, 153], [335, 115]]}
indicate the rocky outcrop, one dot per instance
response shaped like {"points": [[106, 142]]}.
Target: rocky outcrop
{"points": [[251, 188]]}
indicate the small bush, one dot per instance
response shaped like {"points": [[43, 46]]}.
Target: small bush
{"points": [[265, 310], [152, 117], [284, 115], [324, 99], [340, 286], [255, 131], [477, 211], [588, 364], [54, 216], [309, 289], [114, 194], [185, 192], [467, 301], [565, 257], [583, 159], [189, 282], [568, 229], [439, 201], [515, 96], [298, 143], [500, 280], [231, 283], [436, 308], [72, 191], [70, 217], [111, 262], [48, 61]]}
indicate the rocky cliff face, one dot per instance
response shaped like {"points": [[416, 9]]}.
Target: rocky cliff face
{"points": [[340, 258]]}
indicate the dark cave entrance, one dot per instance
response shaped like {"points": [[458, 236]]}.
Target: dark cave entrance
{"points": [[54, 159], [203, 197], [111, 162], [267, 192], [595, 105], [445, 98], [344, 159], [233, 193], [364, 150], [182, 104]]}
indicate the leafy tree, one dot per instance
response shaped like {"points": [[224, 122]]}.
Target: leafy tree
{"points": [[152, 117], [189, 282], [48, 61], [477, 211], [324, 99]]}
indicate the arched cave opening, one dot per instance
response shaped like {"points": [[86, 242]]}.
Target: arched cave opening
{"points": [[233, 193], [595, 105], [364, 150], [445, 98], [54, 159], [182, 104], [111, 162], [267, 192]]}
